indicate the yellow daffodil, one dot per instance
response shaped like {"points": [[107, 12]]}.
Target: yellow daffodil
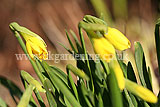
{"points": [[36, 47], [140, 91], [118, 72], [106, 51], [34, 43], [103, 48], [117, 39]]}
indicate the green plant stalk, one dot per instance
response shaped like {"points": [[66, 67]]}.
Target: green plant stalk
{"points": [[77, 72], [86, 56], [72, 84], [23, 46], [26, 96], [114, 90], [25, 84]]}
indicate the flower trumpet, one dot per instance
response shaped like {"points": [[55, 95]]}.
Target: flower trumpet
{"points": [[117, 39]]}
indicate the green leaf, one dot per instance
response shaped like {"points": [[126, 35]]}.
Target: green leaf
{"points": [[72, 84], [157, 41], [139, 62], [63, 88], [67, 102], [128, 98], [100, 101], [141, 66], [80, 50], [2, 103], [32, 102], [135, 103], [86, 58], [26, 96], [51, 100], [123, 67], [85, 93], [70, 42], [26, 76], [66, 48], [59, 73]]}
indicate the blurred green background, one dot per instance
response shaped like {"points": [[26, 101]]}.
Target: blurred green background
{"points": [[49, 18]]}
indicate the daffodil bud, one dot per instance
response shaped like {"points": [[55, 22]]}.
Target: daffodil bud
{"points": [[35, 44], [140, 91], [103, 48], [117, 39], [118, 72]]}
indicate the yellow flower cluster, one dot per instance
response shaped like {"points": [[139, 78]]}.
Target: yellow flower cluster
{"points": [[105, 47]]}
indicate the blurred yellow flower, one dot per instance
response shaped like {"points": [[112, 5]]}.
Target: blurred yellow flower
{"points": [[103, 48], [140, 91], [117, 39]]}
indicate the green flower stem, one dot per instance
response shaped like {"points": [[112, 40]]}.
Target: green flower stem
{"points": [[114, 90], [23, 46], [86, 56]]}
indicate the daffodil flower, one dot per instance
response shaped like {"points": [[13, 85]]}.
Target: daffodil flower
{"points": [[140, 91], [103, 48], [34, 43], [105, 42], [117, 39], [106, 51], [36, 47]]}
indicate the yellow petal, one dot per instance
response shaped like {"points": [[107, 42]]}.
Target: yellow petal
{"points": [[102, 47], [29, 49], [35, 47], [118, 72], [140, 91], [117, 39]]}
